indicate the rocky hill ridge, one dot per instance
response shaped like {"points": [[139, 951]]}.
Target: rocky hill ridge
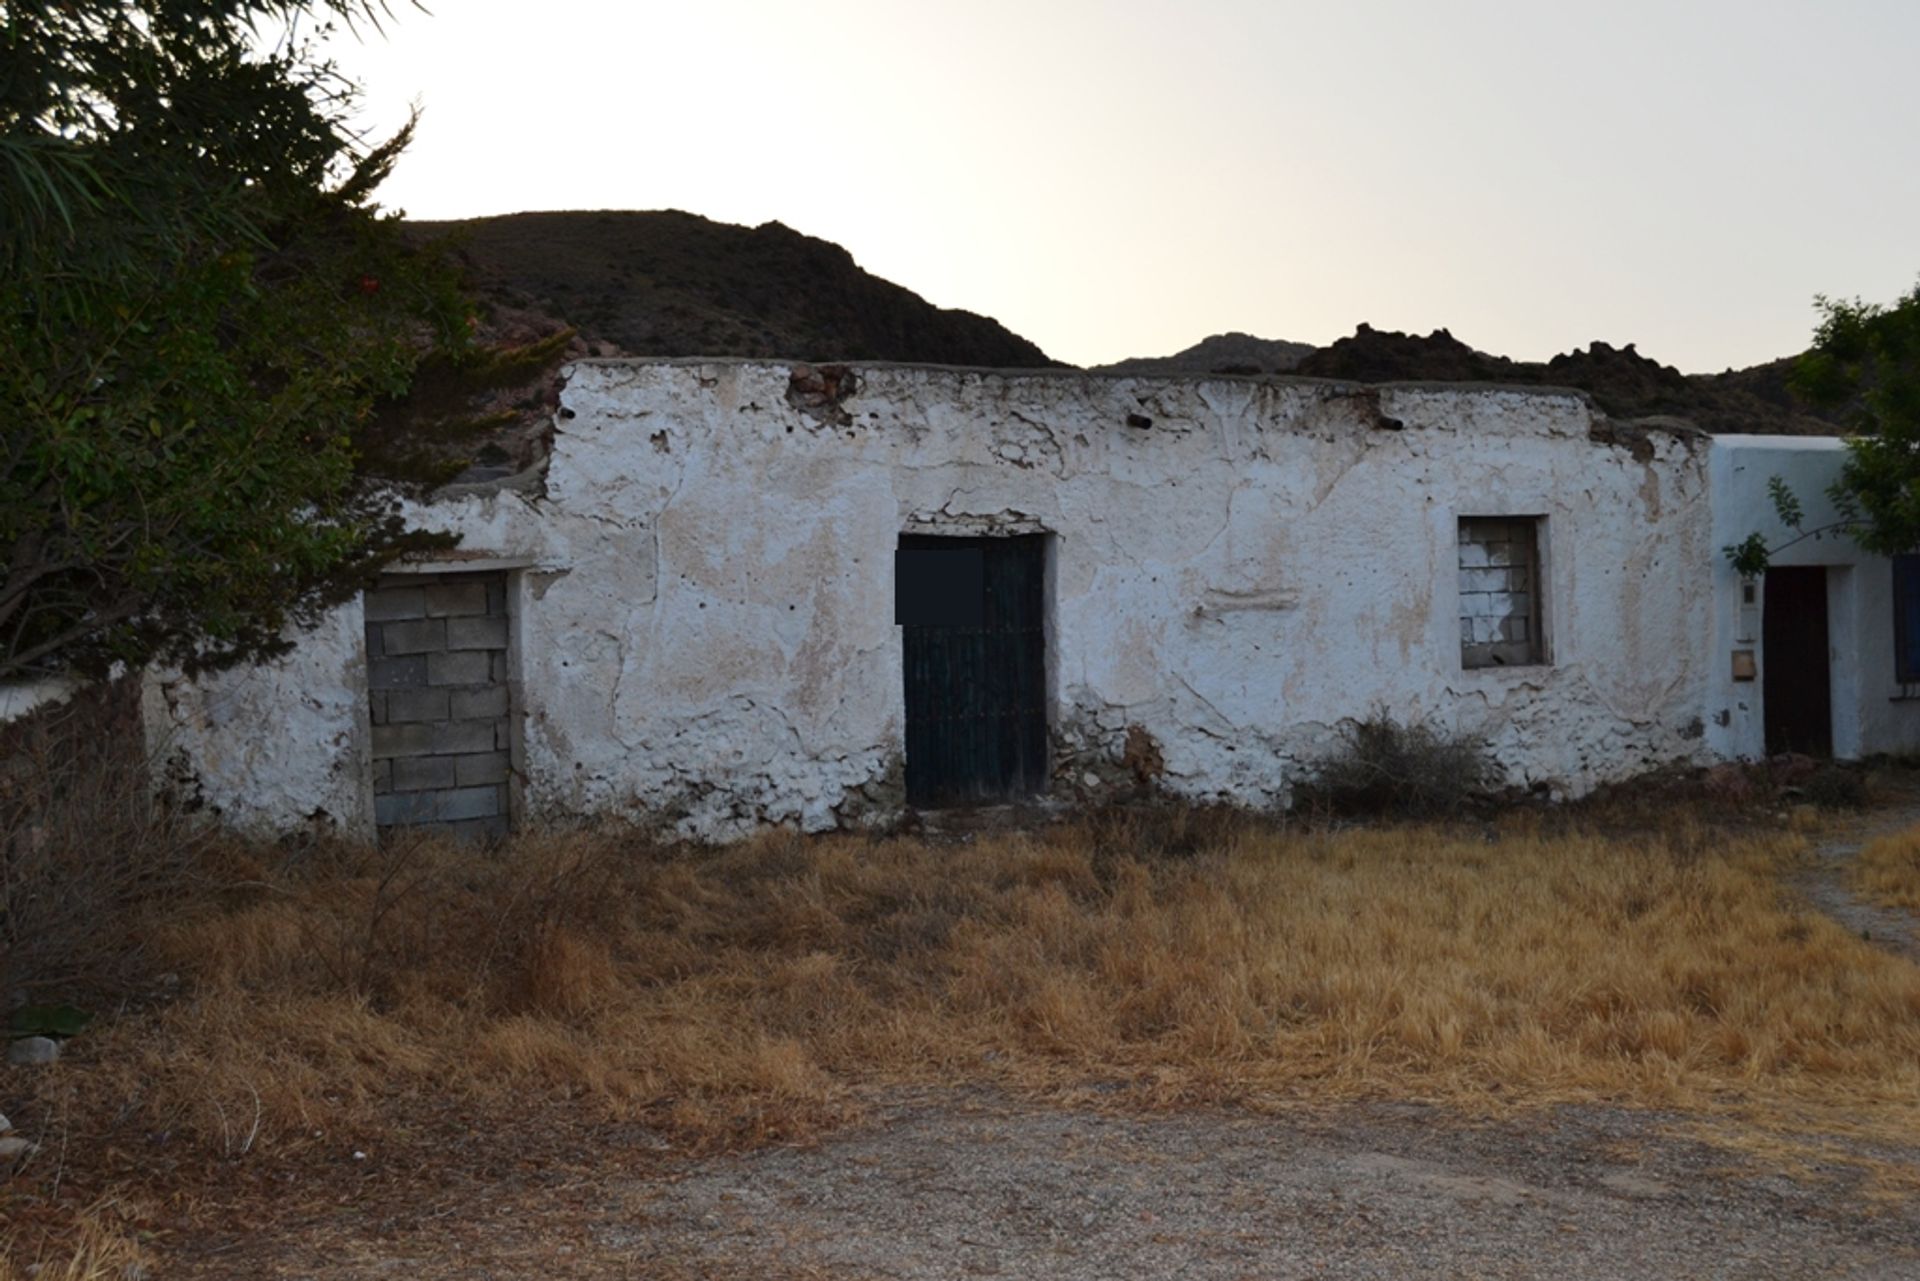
{"points": [[1622, 382]]}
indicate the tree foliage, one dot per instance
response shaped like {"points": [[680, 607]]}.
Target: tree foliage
{"points": [[1866, 360], [1864, 363], [199, 306]]}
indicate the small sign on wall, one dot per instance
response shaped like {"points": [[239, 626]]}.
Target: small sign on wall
{"points": [[1744, 667], [1748, 626]]}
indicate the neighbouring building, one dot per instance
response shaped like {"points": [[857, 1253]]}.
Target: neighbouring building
{"points": [[737, 594], [1822, 654]]}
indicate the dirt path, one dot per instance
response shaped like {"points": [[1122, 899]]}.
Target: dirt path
{"points": [[1824, 882], [967, 1184], [985, 1190]]}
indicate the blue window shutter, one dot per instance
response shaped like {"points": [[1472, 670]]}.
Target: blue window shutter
{"points": [[1906, 618]]}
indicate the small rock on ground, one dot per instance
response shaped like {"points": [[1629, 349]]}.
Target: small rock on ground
{"points": [[33, 1051]]}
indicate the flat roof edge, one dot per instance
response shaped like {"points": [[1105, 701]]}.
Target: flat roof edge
{"points": [[1042, 373], [1808, 443]]}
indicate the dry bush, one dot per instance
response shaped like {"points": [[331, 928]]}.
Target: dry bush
{"points": [[1158, 828], [1385, 769], [736, 994], [1836, 787], [83, 845]]}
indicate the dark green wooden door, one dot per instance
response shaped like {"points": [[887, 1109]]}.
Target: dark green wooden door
{"points": [[976, 673]]}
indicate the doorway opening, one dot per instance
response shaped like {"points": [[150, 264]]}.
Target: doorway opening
{"points": [[1796, 689], [972, 613]]}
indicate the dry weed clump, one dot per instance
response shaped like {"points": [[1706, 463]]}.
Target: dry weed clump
{"points": [[737, 994], [1888, 869], [1386, 769]]}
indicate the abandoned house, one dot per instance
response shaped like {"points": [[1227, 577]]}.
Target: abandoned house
{"points": [[737, 594]]}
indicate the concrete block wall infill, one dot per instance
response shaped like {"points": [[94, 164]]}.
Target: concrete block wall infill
{"points": [[437, 689], [1500, 592]]}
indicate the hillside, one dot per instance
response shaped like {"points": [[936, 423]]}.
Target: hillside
{"points": [[1230, 353], [665, 283]]}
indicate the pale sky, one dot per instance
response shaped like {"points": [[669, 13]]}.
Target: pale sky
{"points": [[1124, 178]]}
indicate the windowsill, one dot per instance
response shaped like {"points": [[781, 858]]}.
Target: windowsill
{"points": [[1495, 669]]}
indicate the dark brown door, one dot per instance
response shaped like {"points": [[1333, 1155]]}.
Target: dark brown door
{"points": [[1795, 682], [973, 617]]}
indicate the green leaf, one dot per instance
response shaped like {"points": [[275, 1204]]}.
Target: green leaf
{"points": [[1749, 557], [1785, 505], [47, 1020]]}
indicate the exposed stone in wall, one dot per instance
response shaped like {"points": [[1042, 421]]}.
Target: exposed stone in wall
{"points": [[821, 392]]}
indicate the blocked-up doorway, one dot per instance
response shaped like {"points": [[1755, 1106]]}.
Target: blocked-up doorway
{"points": [[1796, 687], [439, 702], [972, 613]]}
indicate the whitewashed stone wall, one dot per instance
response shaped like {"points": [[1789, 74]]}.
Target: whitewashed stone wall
{"points": [[702, 595]]}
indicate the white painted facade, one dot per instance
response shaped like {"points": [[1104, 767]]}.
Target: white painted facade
{"points": [[1871, 711], [702, 591]]}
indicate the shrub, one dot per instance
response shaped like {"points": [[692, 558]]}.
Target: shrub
{"points": [[1403, 771], [1834, 787], [83, 847]]}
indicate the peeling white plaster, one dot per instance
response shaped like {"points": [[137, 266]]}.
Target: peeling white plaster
{"points": [[705, 621], [276, 746]]}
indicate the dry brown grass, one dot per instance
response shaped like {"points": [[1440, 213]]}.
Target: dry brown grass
{"points": [[95, 1246], [1888, 869], [735, 995]]}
